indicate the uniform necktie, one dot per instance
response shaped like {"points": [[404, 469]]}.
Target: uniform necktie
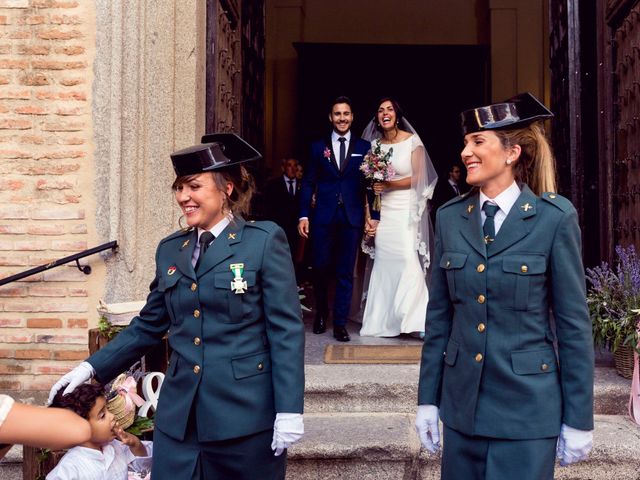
{"points": [[343, 150], [489, 227], [205, 239], [291, 190]]}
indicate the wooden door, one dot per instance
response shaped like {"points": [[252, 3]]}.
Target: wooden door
{"points": [[619, 102]]}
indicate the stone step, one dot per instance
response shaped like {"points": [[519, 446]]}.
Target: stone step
{"points": [[393, 388], [11, 464], [380, 446]]}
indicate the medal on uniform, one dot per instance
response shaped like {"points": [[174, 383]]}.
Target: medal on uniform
{"points": [[171, 270], [238, 284]]}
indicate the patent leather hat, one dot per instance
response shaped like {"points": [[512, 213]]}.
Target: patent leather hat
{"points": [[515, 112], [217, 151]]}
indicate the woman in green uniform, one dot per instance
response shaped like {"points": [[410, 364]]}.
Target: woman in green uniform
{"points": [[506, 254]]}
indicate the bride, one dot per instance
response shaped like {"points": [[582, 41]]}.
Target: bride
{"points": [[397, 295]]}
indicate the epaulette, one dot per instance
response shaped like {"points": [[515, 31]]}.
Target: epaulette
{"points": [[556, 200], [180, 233], [264, 225], [455, 200]]}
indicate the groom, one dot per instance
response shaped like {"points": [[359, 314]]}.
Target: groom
{"points": [[333, 173]]}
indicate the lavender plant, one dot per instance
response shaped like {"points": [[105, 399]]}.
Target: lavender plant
{"points": [[614, 300]]}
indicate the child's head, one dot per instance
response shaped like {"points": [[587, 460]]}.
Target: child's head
{"points": [[89, 402]]}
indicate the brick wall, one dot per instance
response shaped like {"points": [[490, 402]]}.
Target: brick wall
{"points": [[46, 184]]}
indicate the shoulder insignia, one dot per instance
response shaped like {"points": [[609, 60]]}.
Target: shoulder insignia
{"points": [[556, 200]]}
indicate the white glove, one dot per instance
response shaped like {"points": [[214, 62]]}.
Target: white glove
{"points": [[79, 375], [287, 429], [427, 427], [573, 445]]}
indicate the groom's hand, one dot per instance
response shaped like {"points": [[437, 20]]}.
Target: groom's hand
{"points": [[303, 227]]}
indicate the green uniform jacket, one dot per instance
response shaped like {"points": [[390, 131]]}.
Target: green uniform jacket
{"points": [[488, 359], [238, 358]]}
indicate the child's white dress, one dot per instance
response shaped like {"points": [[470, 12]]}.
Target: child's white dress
{"points": [[112, 463]]}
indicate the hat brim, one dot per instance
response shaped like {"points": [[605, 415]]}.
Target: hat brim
{"points": [[516, 112]]}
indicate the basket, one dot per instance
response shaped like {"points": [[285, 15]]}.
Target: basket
{"points": [[116, 406], [623, 357], [119, 314]]}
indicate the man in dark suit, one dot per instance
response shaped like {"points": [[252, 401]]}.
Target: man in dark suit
{"points": [[281, 195], [446, 189], [333, 173]]}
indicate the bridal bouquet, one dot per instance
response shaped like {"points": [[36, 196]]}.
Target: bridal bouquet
{"points": [[377, 167]]}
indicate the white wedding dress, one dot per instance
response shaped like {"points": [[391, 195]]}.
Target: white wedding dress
{"points": [[397, 296]]}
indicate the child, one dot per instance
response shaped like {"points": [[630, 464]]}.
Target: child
{"points": [[102, 457]]}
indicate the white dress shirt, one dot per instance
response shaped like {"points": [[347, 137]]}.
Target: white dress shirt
{"points": [[286, 183], [110, 463], [216, 230], [504, 200], [336, 145], [455, 186]]}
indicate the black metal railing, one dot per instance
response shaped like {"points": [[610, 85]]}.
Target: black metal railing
{"points": [[86, 269]]}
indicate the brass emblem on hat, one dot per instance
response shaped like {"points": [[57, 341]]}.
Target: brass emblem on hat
{"points": [[186, 242], [232, 236], [526, 207], [470, 207]]}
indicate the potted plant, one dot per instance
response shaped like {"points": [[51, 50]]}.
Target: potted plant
{"points": [[614, 305]]}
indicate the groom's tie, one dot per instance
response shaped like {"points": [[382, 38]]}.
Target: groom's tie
{"points": [[343, 151], [489, 227]]}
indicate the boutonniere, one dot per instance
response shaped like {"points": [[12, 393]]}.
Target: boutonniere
{"points": [[327, 153]]}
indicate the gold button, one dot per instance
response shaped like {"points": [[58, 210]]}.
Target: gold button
{"points": [[448, 263], [544, 367], [196, 369], [524, 269], [260, 366], [480, 268], [479, 357], [481, 298], [481, 327], [193, 287], [552, 196], [197, 341], [196, 313]]}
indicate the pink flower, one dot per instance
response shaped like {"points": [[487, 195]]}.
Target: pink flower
{"points": [[327, 153]]}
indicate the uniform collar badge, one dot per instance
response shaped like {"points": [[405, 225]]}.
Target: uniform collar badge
{"points": [[470, 207], [186, 242], [171, 270], [232, 236], [526, 207], [238, 284]]}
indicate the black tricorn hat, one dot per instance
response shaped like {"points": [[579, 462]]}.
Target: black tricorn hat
{"points": [[218, 150], [515, 112]]}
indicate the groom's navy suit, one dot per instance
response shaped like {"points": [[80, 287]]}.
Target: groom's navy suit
{"points": [[337, 221]]}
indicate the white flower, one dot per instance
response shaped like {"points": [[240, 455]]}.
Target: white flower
{"points": [[378, 176]]}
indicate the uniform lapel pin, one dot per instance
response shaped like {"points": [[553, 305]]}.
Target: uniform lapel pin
{"points": [[186, 242], [171, 270], [232, 236], [470, 207], [526, 207]]}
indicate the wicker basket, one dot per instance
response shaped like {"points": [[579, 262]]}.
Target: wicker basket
{"points": [[623, 357], [116, 406]]}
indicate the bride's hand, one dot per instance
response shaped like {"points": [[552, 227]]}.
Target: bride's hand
{"points": [[380, 187], [370, 228]]}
